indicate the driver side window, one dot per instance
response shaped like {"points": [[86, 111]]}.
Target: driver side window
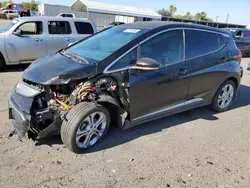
{"points": [[31, 28], [166, 48]]}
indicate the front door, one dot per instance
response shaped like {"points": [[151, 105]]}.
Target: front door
{"points": [[152, 91], [29, 46]]}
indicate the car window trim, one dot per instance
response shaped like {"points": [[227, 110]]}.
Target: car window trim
{"points": [[31, 22], [107, 71], [69, 22]]}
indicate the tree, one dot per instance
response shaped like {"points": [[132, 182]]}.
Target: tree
{"points": [[188, 15], [33, 5], [164, 12], [172, 9], [170, 12], [202, 16], [2, 4]]}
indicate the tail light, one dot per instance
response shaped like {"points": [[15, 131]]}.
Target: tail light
{"points": [[238, 57]]}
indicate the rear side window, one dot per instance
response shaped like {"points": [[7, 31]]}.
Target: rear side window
{"points": [[59, 28], [246, 33], [31, 28], [230, 43], [199, 43], [84, 28]]}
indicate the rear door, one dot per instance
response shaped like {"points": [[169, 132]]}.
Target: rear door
{"points": [[30, 45], [59, 35], [83, 29], [202, 54]]}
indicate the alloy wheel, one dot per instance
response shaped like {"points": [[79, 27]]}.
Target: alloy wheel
{"points": [[91, 129], [226, 96]]}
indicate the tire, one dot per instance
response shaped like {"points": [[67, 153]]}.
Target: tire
{"points": [[2, 62], [217, 103], [78, 121]]}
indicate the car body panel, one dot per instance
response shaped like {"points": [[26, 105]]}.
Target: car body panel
{"points": [[243, 40], [144, 95], [36, 46], [160, 89], [44, 71]]}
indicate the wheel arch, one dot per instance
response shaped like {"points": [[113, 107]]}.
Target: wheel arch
{"points": [[235, 80], [117, 113], [3, 57]]}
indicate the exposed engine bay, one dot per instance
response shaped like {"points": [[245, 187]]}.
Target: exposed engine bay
{"points": [[51, 106]]}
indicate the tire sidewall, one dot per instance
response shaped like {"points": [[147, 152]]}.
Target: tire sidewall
{"points": [[71, 135], [215, 104]]}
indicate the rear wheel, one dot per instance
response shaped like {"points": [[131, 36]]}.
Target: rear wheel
{"points": [[84, 126], [224, 96]]}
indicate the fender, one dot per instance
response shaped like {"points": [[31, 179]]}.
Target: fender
{"points": [[118, 114]]}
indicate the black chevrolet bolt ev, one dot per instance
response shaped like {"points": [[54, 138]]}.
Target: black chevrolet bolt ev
{"points": [[127, 75]]}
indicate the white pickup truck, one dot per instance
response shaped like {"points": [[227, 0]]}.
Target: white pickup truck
{"points": [[25, 39]]}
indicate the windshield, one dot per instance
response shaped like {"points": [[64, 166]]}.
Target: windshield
{"points": [[8, 26], [103, 44]]}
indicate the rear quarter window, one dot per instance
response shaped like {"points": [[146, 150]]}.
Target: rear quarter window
{"points": [[199, 43], [84, 28]]}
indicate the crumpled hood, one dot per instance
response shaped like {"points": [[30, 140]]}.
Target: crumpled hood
{"points": [[58, 69]]}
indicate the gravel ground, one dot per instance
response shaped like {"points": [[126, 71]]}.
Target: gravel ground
{"points": [[198, 149]]}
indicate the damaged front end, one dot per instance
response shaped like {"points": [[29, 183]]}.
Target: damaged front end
{"points": [[40, 109]]}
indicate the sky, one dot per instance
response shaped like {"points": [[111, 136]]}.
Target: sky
{"points": [[238, 10]]}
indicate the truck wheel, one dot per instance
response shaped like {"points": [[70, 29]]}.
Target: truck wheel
{"points": [[2, 62], [224, 96], [84, 126]]}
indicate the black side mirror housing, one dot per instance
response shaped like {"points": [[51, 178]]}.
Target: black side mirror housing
{"points": [[146, 64], [18, 32]]}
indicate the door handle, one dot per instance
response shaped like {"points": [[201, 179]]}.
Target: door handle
{"points": [[38, 39], [224, 59], [182, 71], [68, 39]]}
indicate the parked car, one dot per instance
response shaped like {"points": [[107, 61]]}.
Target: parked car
{"points": [[10, 14], [242, 39], [68, 15], [127, 75], [23, 40]]}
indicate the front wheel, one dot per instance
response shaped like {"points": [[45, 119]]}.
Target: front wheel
{"points": [[224, 96], [84, 126]]}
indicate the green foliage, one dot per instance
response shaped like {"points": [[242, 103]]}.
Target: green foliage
{"points": [[172, 9], [202, 16], [3, 3], [170, 12], [164, 12]]}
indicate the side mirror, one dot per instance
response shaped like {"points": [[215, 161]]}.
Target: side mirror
{"points": [[146, 64], [18, 32]]}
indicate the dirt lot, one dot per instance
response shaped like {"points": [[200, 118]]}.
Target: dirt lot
{"points": [[198, 148]]}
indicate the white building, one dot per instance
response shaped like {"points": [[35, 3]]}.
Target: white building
{"points": [[101, 13]]}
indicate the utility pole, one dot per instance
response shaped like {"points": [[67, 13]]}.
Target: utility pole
{"points": [[227, 18], [217, 18]]}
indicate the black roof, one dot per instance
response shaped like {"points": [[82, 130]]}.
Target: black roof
{"points": [[151, 25]]}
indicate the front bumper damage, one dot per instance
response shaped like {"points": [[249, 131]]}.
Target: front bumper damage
{"points": [[23, 121]]}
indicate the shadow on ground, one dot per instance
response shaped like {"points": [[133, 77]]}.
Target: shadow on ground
{"points": [[116, 136], [14, 68]]}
